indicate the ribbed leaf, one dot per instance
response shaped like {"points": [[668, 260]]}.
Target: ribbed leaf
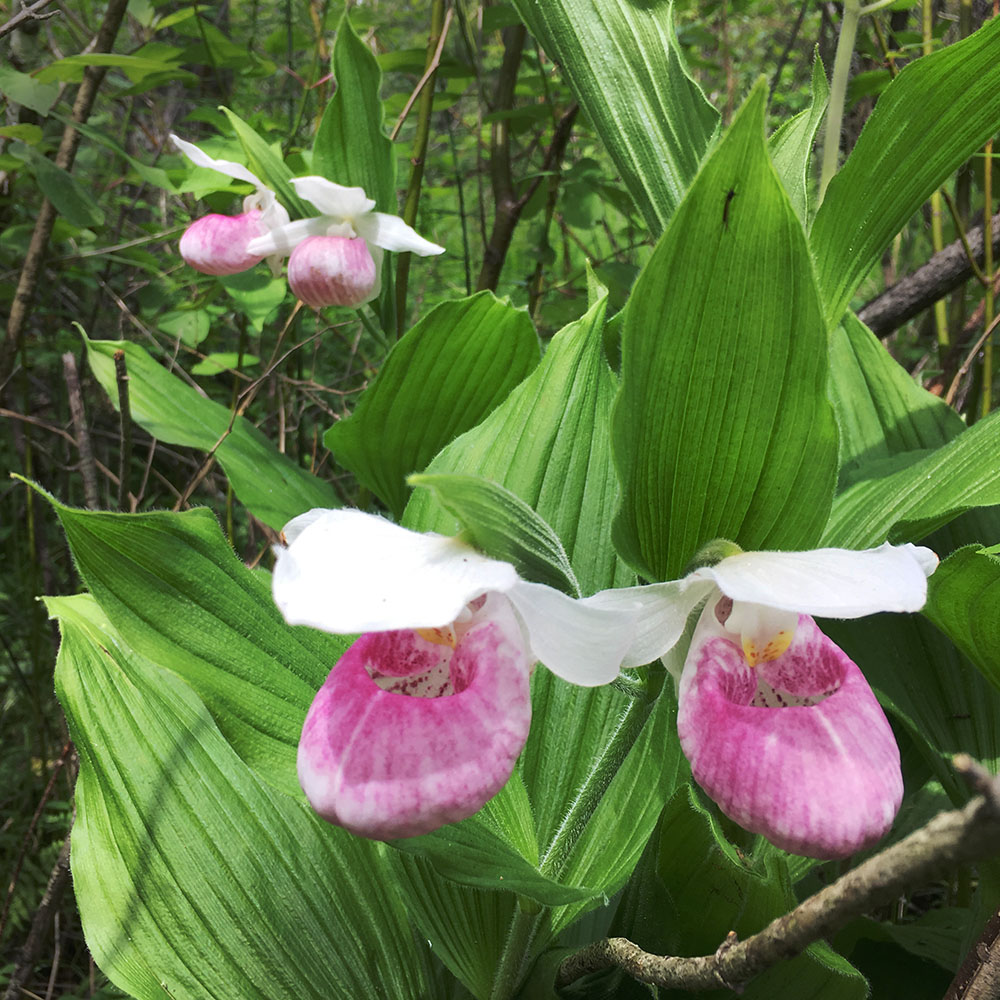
{"points": [[193, 878], [722, 427], [964, 602], [909, 495], [626, 68], [791, 145], [881, 411], [268, 166], [442, 378], [273, 488], [351, 146], [930, 119], [175, 591], [503, 526]]}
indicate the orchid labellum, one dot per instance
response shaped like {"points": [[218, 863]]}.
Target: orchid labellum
{"points": [[779, 725], [422, 720], [219, 244], [336, 257]]}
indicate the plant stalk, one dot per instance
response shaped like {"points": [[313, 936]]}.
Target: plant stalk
{"points": [[838, 93]]}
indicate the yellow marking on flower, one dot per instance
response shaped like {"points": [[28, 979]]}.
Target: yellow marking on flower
{"points": [[444, 636], [770, 650]]}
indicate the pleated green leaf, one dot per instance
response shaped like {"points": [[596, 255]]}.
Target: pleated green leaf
{"points": [[468, 853], [881, 411], [267, 164], [192, 877], [964, 602], [722, 427], [442, 378], [173, 588], [791, 145], [549, 443], [909, 495], [627, 70], [608, 848], [272, 487], [503, 526], [930, 119], [351, 146]]}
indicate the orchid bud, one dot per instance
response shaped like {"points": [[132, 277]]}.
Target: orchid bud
{"points": [[333, 271], [217, 244]]}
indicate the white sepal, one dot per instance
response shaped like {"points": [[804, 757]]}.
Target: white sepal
{"points": [[662, 610], [334, 199], [286, 238], [831, 583], [346, 571], [391, 233], [227, 167], [583, 645]]}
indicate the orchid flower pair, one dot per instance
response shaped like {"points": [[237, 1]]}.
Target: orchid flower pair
{"points": [[334, 258], [422, 720]]}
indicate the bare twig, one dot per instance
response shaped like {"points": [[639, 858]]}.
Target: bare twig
{"points": [[32, 13], [964, 367], [88, 471], [979, 975], [429, 71], [32, 947], [125, 415], [949, 839], [67, 750], [942, 274], [31, 271]]}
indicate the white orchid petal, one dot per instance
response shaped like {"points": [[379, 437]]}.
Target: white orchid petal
{"points": [[662, 610], [284, 239], [580, 643], [391, 233], [333, 199], [833, 583], [227, 167], [346, 571]]}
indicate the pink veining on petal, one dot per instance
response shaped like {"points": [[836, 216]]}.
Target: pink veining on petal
{"points": [[406, 734], [217, 244], [332, 271], [797, 749]]}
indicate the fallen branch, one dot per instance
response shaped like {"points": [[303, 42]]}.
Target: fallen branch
{"points": [[949, 839], [942, 274]]}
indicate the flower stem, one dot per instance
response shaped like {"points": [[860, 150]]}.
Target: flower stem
{"points": [[838, 92], [515, 949]]}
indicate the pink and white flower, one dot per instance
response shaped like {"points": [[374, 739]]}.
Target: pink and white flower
{"points": [[219, 244], [336, 257], [780, 727], [422, 720]]}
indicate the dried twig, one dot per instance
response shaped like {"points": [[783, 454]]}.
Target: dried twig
{"points": [[32, 268], [949, 839], [88, 471], [32, 13], [125, 415]]}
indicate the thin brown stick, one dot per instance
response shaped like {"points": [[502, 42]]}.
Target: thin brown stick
{"points": [[949, 839], [964, 367], [942, 274], [32, 13], [30, 832], [34, 258], [88, 471], [978, 978], [125, 415], [429, 72], [32, 947]]}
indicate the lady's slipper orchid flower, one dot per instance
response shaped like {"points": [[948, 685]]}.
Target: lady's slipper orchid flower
{"points": [[219, 244], [422, 719], [336, 257], [779, 725]]}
